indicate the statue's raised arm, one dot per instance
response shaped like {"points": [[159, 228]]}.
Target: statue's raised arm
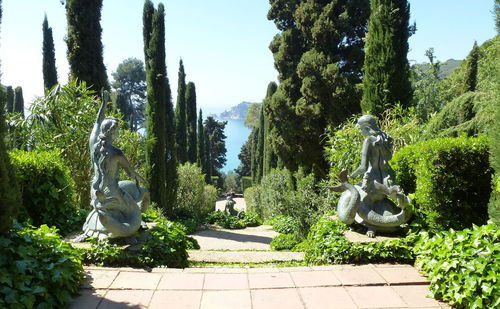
{"points": [[96, 130]]}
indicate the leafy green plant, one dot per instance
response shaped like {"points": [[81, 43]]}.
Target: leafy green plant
{"points": [[463, 265], [47, 189], [34, 264], [252, 199], [284, 242], [167, 246], [153, 213], [250, 218], [104, 253], [284, 224], [328, 245], [451, 179]]}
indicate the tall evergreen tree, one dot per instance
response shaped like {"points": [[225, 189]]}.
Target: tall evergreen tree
{"points": [[180, 116], [10, 200], [319, 72], [208, 159], [84, 43], [253, 139], [130, 81], [386, 79], [49, 57], [201, 156], [191, 122], [9, 92], [216, 144], [470, 80], [245, 156], [270, 159], [259, 153], [160, 157], [18, 101]]}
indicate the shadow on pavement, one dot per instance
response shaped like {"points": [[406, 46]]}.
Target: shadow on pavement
{"points": [[234, 236]]}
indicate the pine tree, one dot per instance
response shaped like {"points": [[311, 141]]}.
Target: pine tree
{"points": [[18, 101], [9, 99], [180, 116], [269, 160], [84, 43], [471, 69], [10, 200], [253, 139], [160, 157], [216, 144], [318, 55], [191, 121], [49, 57], [386, 79]]}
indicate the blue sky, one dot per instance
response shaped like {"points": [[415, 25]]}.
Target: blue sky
{"points": [[223, 43]]}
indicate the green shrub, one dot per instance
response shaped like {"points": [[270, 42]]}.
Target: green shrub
{"points": [[104, 253], [62, 119], [167, 246], [225, 220], [284, 224], [284, 242], [450, 177], [37, 269], [47, 189], [153, 213], [273, 194], [252, 200], [209, 198], [328, 245], [463, 266], [494, 205], [250, 218], [246, 182], [191, 190], [10, 197]]}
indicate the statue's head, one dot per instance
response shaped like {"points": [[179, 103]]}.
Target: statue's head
{"points": [[367, 124], [109, 127]]}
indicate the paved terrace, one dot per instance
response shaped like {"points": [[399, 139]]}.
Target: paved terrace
{"points": [[321, 287]]}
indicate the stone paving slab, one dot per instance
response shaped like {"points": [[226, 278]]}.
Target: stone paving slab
{"points": [[325, 287]]}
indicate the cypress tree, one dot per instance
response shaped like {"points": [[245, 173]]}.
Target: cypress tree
{"points": [[84, 43], [9, 99], [260, 147], [180, 116], [201, 144], [191, 121], [170, 159], [471, 69], [160, 157], [10, 200], [254, 155], [208, 159], [49, 57], [386, 79], [18, 101], [269, 160]]}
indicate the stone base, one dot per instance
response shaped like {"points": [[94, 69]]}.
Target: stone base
{"points": [[354, 236]]}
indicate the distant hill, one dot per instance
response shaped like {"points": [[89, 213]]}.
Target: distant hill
{"points": [[446, 68], [236, 112]]}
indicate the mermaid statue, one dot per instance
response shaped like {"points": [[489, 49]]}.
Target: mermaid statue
{"points": [[376, 202], [117, 205]]}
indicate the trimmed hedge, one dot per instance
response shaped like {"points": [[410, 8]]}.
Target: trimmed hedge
{"points": [[450, 179], [494, 206], [47, 189]]}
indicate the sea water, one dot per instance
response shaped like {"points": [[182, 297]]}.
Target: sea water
{"points": [[237, 134]]}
